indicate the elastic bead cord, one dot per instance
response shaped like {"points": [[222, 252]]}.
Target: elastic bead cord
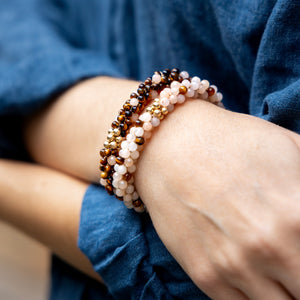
{"points": [[118, 162]]}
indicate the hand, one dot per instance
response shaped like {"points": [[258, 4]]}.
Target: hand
{"points": [[223, 191]]}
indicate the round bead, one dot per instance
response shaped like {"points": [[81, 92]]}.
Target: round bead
{"points": [[122, 169], [214, 87], [194, 85], [205, 83], [164, 101], [134, 102], [117, 176], [116, 167], [135, 155], [204, 96], [120, 192], [128, 201], [165, 93], [196, 79], [190, 93], [174, 91], [147, 135], [132, 147], [132, 130], [115, 183], [139, 209], [175, 84], [145, 117], [128, 162], [180, 98], [103, 182], [173, 99], [124, 145], [186, 83], [134, 117], [111, 160], [220, 96], [132, 169], [122, 184], [124, 153], [130, 189], [184, 74], [156, 78], [135, 196], [147, 126], [139, 131], [155, 121], [170, 107], [130, 137], [131, 180]]}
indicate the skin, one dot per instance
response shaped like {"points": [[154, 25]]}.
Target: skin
{"points": [[229, 184]]}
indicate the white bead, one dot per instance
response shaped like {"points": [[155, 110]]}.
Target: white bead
{"points": [[147, 126], [173, 99], [122, 184], [180, 98], [145, 117], [134, 117], [190, 93], [131, 180], [201, 88], [124, 152], [147, 135], [186, 83], [174, 91], [111, 160], [134, 101], [130, 189], [164, 101], [120, 192], [175, 84], [115, 183], [214, 87], [170, 107], [135, 154], [204, 96], [194, 85], [155, 122], [156, 78], [132, 147], [184, 74], [139, 131], [127, 199], [130, 137], [132, 169], [135, 196], [196, 79], [128, 162], [220, 96], [122, 170], [116, 167], [205, 84], [124, 145], [117, 176], [165, 93], [132, 130], [103, 182]]}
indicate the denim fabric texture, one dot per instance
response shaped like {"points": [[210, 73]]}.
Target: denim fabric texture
{"points": [[249, 49]]}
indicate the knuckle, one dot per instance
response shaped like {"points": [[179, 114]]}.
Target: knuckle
{"points": [[205, 278]]}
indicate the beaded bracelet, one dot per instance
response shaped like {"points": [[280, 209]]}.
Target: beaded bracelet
{"points": [[132, 127]]}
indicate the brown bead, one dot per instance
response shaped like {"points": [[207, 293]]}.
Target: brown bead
{"points": [[119, 160], [122, 112], [134, 109], [175, 70], [109, 180], [164, 79], [114, 152], [210, 91], [123, 126], [103, 152], [121, 118], [141, 91], [127, 176], [137, 203], [133, 95], [148, 81], [103, 161], [128, 122], [115, 124], [109, 189], [140, 140], [102, 168], [119, 198], [128, 113], [126, 106], [139, 123], [182, 89], [119, 139], [104, 175], [141, 99], [123, 133], [107, 152], [107, 168]]}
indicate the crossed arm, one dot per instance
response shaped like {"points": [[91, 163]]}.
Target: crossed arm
{"points": [[230, 185]]}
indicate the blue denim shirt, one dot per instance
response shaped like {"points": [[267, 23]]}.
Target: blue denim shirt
{"points": [[249, 49]]}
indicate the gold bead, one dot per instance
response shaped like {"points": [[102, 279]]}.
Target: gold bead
{"points": [[106, 144], [110, 137], [110, 131], [157, 113], [113, 145], [164, 111], [161, 117], [117, 132], [149, 109], [156, 104], [119, 139]]}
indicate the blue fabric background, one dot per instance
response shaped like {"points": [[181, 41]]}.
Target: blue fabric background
{"points": [[249, 49]]}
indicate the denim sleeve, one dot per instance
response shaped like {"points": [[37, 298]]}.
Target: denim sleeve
{"points": [[127, 253], [275, 92], [38, 58]]}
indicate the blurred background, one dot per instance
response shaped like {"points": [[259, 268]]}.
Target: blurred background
{"points": [[24, 266]]}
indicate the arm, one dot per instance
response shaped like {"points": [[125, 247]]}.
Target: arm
{"points": [[44, 204], [239, 162]]}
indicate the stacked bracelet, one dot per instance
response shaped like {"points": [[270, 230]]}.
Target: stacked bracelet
{"points": [[158, 94]]}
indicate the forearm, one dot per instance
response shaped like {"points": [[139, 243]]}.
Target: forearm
{"points": [[44, 204]]}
